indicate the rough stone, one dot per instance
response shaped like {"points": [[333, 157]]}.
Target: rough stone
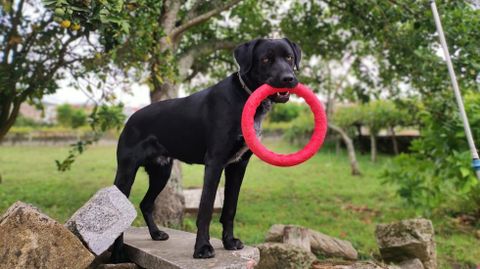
{"points": [[102, 219], [31, 239], [284, 256], [297, 236], [118, 266], [192, 200], [321, 244], [411, 264], [170, 203], [350, 265], [177, 252], [406, 240]]}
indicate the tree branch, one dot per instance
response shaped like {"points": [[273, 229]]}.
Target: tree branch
{"points": [[187, 59], [200, 19]]}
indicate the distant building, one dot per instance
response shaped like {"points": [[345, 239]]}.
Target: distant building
{"points": [[49, 113]]}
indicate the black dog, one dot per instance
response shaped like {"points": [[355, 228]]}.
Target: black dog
{"points": [[204, 128]]}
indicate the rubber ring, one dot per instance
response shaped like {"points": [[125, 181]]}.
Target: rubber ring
{"points": [[250, 136]]}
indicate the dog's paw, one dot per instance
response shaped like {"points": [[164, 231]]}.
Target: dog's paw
{"points": [[232, 244], [204, 252], [159, 235]]}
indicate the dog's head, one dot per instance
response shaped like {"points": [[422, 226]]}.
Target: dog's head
{"points": [[270, 61]]}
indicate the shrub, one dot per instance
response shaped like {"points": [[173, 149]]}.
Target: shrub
{"points": [[436, 175], [285, 112]]}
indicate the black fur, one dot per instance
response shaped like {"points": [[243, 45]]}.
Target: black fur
{"points": [[203, 128]]}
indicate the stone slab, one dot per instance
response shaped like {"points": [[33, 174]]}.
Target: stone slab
{"points": [[102, 219], [31, 239], [177, 252], [192, 200]]}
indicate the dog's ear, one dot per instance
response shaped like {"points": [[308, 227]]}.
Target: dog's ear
{"points": [[244, 55], [297, 52]]}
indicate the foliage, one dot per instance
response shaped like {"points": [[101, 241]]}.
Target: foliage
{"points": [[348, 116], [102, 119], [23, 121], [70, 116], [285, 112], [437, 176], [300, 129], [36, 52]]}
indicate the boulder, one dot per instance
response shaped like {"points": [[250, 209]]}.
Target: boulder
{"points": [[297, 236], [411, 264], [284, 256], [407, 240], [321, 244], [102, 219], [31, 239]]}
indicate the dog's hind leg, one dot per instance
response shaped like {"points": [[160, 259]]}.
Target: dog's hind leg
{"points": [[126, 171], [233, 180], [158, 173]]}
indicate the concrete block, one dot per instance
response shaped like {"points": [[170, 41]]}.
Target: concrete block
{"points": [[102, 219]]}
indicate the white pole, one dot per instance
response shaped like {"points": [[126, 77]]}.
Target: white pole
{"points": [[456, 90]]}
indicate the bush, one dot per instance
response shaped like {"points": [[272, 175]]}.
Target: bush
{"points": [[23, 121], [300, 129], [436, 175], [285, 112], [69, 116]]}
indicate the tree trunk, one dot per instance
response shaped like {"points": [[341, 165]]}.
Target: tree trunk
{"points": [[350, 148], [394, 140], [170, 203], [373, 146]]}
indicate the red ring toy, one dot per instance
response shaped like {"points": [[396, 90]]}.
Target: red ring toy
{"points": [[248, 130]]}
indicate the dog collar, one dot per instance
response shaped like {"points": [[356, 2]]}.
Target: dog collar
{"points": [[244, 86]]}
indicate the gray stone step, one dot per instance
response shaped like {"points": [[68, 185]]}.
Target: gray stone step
{"points": [[192, 199], [177, 251]]}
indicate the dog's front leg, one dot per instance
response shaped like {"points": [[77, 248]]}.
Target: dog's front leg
{"points": [[234, 174], [203, 248]]}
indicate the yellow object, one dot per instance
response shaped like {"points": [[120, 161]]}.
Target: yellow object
{"points": [[76, 27], [65, 23]]}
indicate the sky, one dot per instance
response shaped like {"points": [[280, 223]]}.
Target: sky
{"points": [[139, 97]]}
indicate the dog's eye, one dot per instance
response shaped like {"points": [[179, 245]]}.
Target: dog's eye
{"points": [[289, 58], [265, 60]]}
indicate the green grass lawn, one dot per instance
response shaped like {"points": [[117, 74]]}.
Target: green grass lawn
{"points": [[319, 194]]}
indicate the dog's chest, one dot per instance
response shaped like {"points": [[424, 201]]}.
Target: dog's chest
{"points": [[260, 115]]}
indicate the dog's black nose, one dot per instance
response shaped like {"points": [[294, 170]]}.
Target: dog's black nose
{"points": [[287, 78]]}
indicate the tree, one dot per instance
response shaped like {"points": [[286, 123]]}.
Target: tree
{"points": [[399, 37], [36, 52]]}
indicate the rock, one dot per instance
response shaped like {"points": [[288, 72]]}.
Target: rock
{"points": [[102, 219], [297, 236], [284, 256], [177, 252], [31, 239], [350, 265], [411, 264], [275, 233], [192, 199], [119, 266], [328, 246], [170, 203], [320, 243], [406, 240]]}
